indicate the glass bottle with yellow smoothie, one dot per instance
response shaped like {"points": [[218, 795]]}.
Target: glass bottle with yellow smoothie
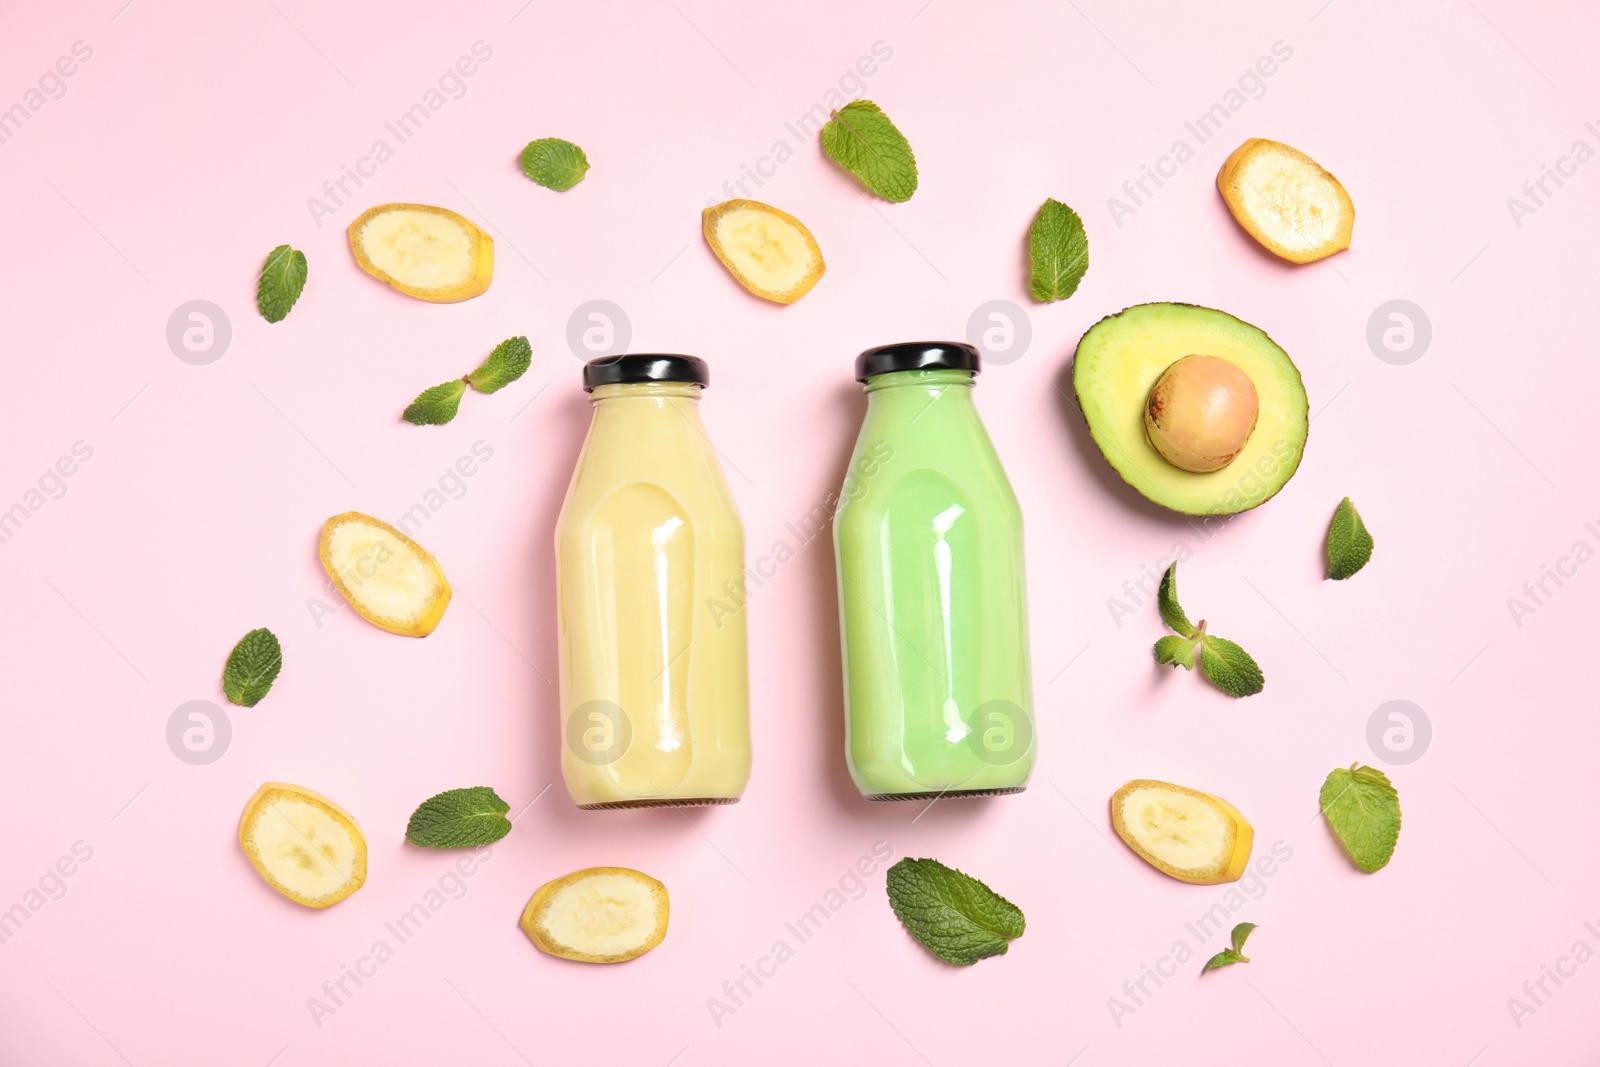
{"points": [[933, 616], [655, 706]]}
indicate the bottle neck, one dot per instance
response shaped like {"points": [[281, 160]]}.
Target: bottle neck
{"points": [[921, 390], [619, 391]]}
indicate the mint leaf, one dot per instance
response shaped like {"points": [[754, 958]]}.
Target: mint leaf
{"points": [[1349, 543], [1167, 601], [283, 276], [459, 818], [1363, 810], [861, 139], [1229, 667], [252, 667], [1058, 252], [508, 362], [436, 406], [956, 917], [1240, 934], [1178, 651], [554, 163], [1222, 959]]}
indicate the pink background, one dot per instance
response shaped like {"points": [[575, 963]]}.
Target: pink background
{"points": [[187, 147]]}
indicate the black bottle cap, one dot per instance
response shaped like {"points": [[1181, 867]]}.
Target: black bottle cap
{"points": [[645, 367], [916, 355]]}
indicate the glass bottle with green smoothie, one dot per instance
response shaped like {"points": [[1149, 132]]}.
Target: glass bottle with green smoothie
{"points": [[928, 539]]}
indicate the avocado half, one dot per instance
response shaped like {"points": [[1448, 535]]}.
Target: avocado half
{"points": [[1120, 358]]}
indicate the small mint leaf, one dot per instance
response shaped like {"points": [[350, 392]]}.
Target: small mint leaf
{"points": [[1167, 601], [861, 139], [459, 818], [1349, 543], [1222, 959], [554, 163], [1178, 651], [955, 916], [1363, 810], [1058, 252], [1230, 667], [252, 667], [436, 406], [508, 362], [283, 276], [1240, 934]]}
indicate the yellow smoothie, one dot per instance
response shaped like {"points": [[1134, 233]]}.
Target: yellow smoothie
{"points": [[654, 681]]}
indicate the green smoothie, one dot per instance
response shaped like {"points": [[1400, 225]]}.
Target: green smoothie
{"points": [[928, 540]]}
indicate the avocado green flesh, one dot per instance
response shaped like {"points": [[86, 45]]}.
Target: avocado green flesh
{"points": [[1121, 357]]}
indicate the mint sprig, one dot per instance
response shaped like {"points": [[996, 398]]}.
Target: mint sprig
{"points": [[508, 362], [436, 406], [1058, 252], [554, 163], [1349, 543], [252, 667], [1225, 665], [283, 277], [955, 916], [459, 818], [1234, 954], [1363, 810], [861, 139]]}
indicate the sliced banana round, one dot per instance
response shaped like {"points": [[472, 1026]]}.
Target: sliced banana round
{"points": [[393, 582], [767, 251], [430, 253], [303, 845], [1286, 201], [597, 915], [1189, 835]]}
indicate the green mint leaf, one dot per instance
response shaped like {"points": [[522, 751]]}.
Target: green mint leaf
{"points": [[1240, 934], [1230, 667], [1167, 601], [508, 362], [861, 139], [554, 163], [283, 276], [1363, 811], [1349, 543], [956, 917], [459, 818], [252, 667], [436, 406], [1222, 959], [1178, 651], [1058, 251]]}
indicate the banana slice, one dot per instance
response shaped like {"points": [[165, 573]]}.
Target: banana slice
{"points": [[303, 845], [1289, 204], [767, 251], [1192, 836], [597, 915], [430, 253], [390, 579]]}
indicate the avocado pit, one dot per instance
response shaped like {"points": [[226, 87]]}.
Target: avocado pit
{"points": [[1200, 413]]}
